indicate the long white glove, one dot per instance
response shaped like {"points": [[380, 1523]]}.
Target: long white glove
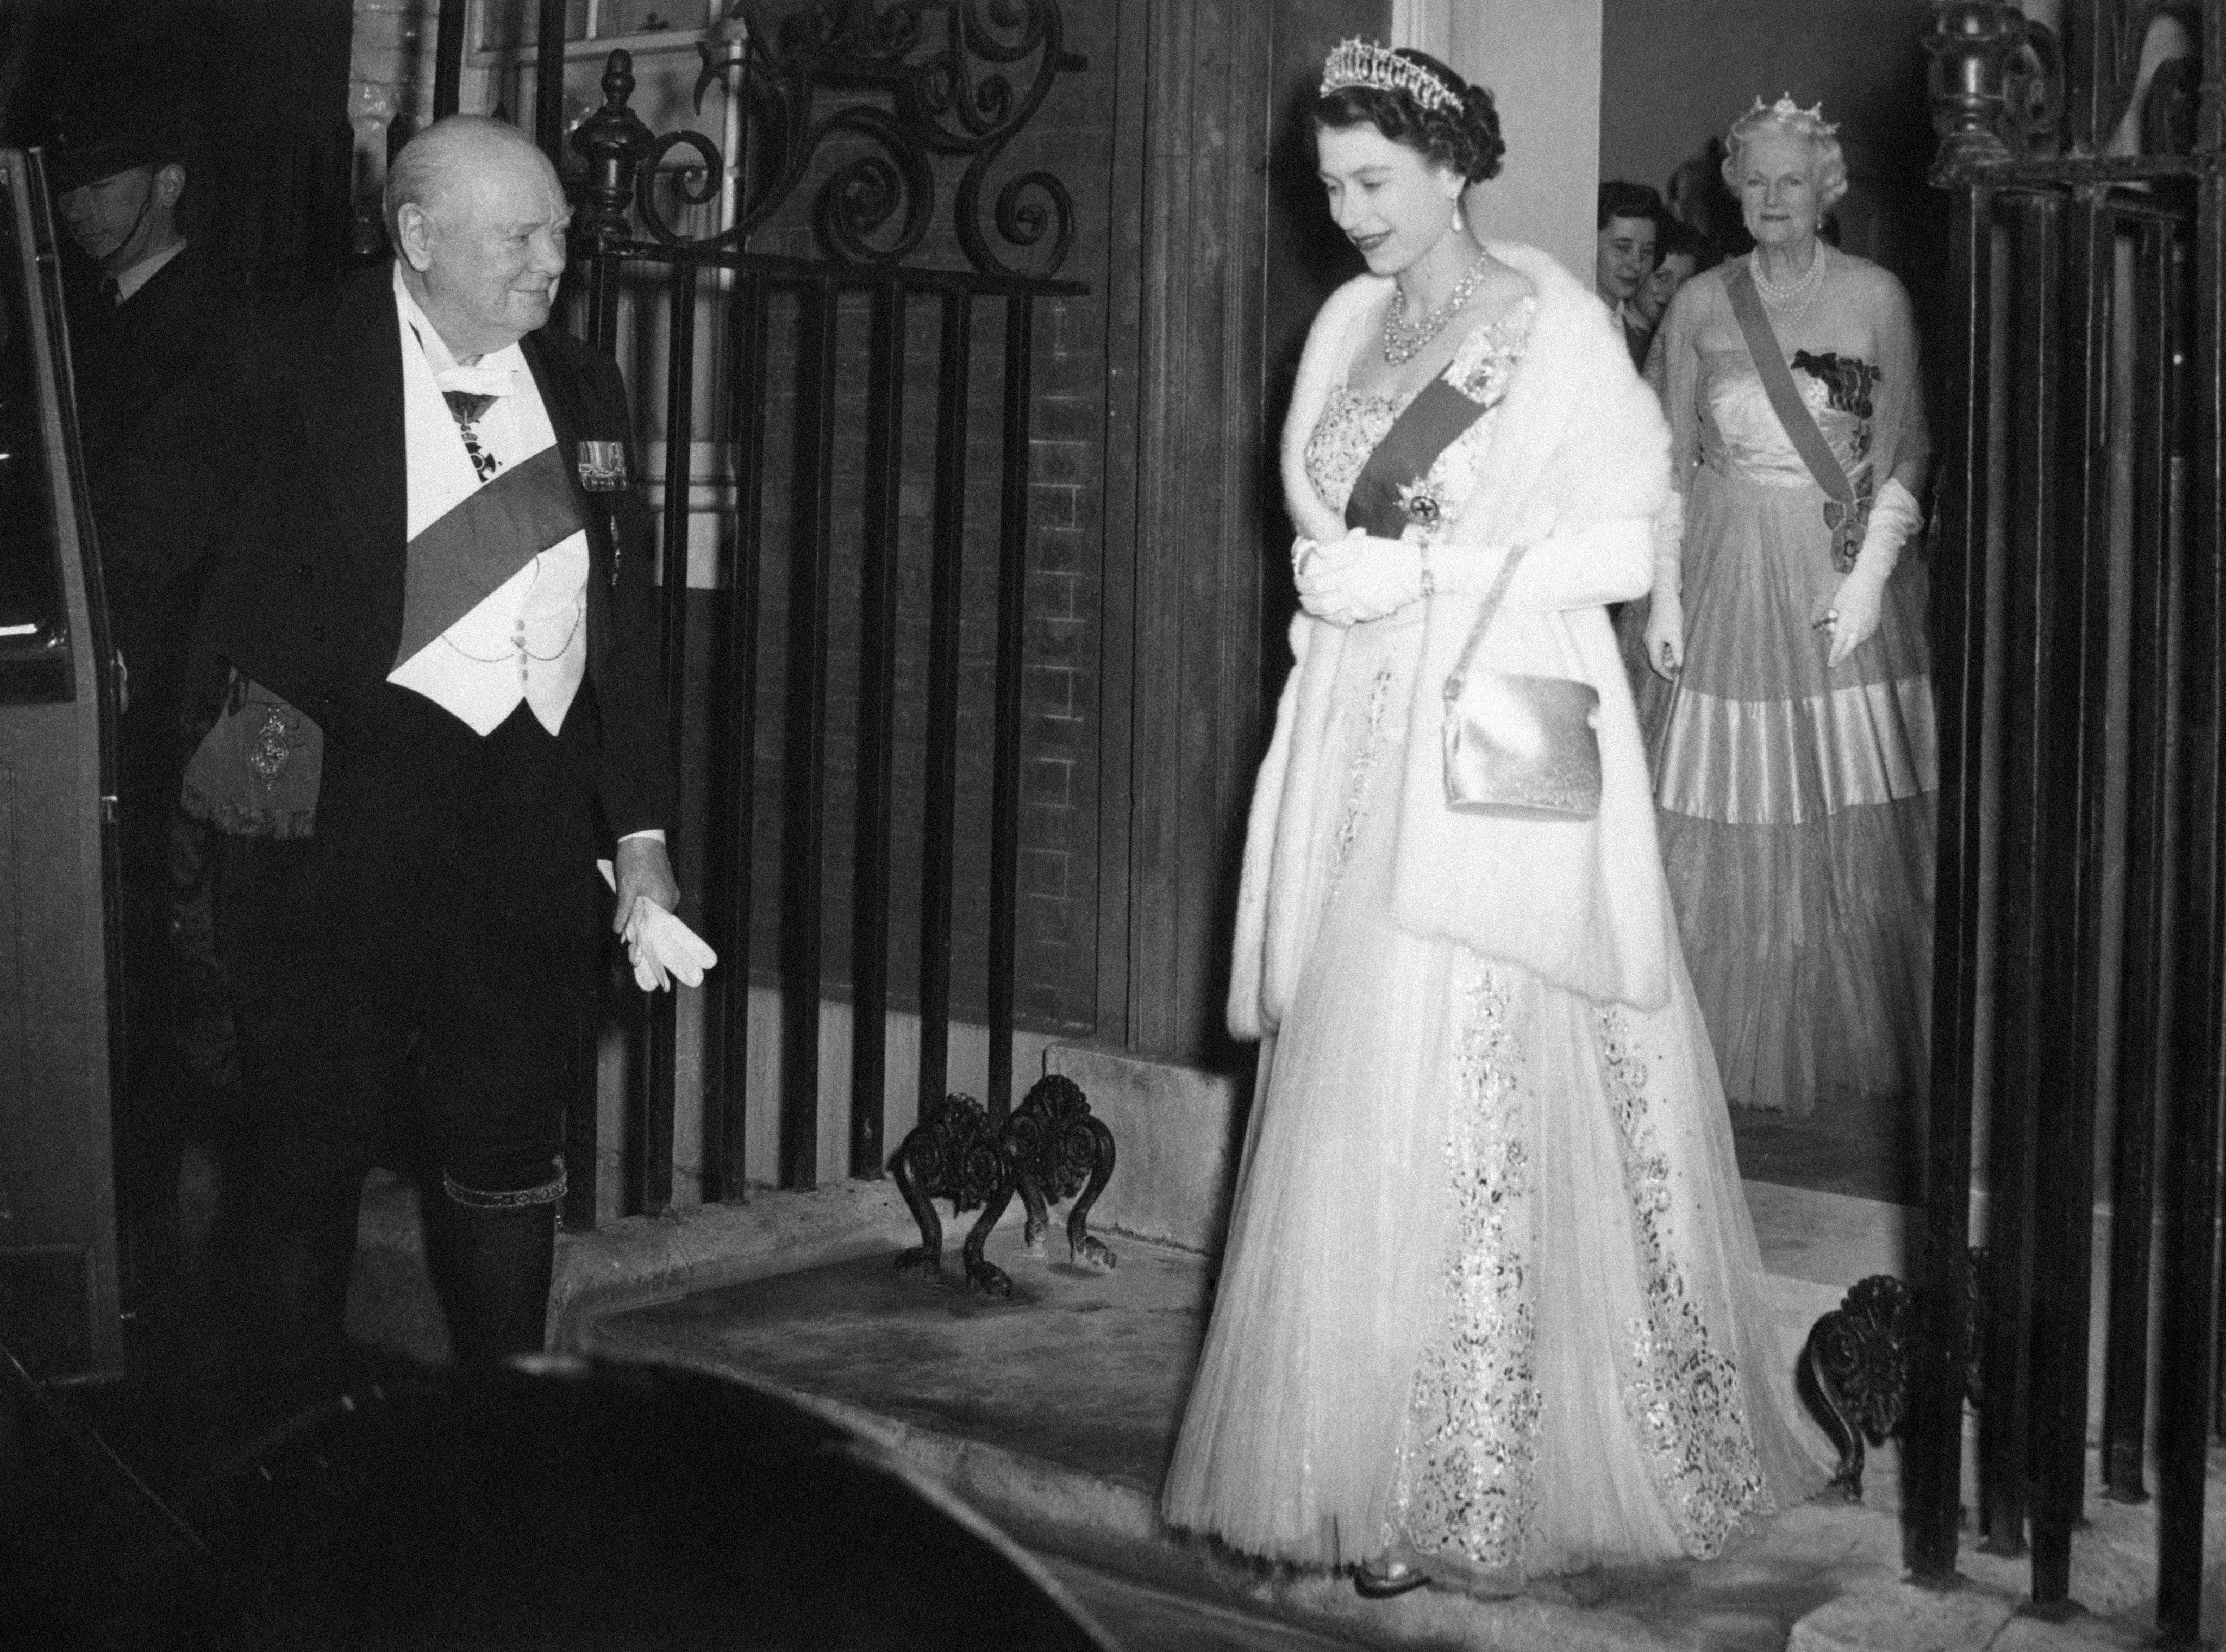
{"points": [[1853, 619], [1359, 577], [1665, 614], [660, 946], [1463, 570]]}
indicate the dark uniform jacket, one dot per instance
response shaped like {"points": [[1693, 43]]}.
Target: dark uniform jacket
{"points": [[126, 360], [297, 448], [127, 357]]}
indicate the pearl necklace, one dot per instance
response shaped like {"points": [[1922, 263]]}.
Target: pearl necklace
{"points": [[1790, 302], [1402, 338]]}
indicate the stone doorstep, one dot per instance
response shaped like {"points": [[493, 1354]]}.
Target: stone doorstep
{"points": [[1116, 1527], [641, 1260], [1110, 1521], [622, 1264], [1828, 1575]]}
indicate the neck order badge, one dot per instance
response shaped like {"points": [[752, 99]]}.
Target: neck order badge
{"points": [[603, 467], [603, 470]]}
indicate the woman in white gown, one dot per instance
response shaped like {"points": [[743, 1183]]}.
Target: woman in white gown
{"points": [[1491, 1305]]}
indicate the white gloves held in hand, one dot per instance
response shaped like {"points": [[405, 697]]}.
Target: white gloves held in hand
{"points": [[660, 946]]}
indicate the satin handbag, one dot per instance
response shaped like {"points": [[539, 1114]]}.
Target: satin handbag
{"points": [[1514, 744]]}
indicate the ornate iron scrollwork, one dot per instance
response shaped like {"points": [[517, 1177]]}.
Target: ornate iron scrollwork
{"points": [[953, 1153], [1050, 1147], [2124, 84], [964, 88], [1854, 1371], [2032, 94], [1056, 1146]]}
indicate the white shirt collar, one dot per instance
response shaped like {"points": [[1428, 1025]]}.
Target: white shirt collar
{"points": [[489, 375], [130, 280]]}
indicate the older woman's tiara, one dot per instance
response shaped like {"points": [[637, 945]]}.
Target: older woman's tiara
{"points": [[1361, 63], [1786, 109]]}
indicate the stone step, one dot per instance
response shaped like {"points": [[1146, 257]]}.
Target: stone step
{"points": [[1054, 1411]]}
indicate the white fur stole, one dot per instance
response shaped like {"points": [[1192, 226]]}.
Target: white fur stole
{"points": [[1576, 469]]}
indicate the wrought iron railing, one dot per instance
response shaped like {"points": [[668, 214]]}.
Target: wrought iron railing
{"points": [[861, 113], [2082, 482]]}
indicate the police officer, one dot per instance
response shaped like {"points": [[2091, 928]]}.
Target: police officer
{"points": [[149, 307]]}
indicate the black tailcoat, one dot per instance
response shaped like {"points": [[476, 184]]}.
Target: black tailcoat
{"points": [[296, 451]]}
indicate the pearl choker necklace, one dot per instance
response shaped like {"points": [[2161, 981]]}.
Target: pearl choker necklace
{"points": [[1790, 302], [1402, 338]]}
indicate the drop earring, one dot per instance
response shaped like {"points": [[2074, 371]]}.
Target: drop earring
{"points": [[1458, 224]]}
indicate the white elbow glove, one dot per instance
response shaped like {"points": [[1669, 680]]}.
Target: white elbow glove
{"points": [[1463, 570], [1665, 616], [1859, 603]]}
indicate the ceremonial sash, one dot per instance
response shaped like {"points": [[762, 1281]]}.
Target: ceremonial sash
{"points": [[1847, 505], [1390, 494], [466, 555]]}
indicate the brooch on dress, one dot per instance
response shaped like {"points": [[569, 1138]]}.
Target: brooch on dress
{"points": [[1424, 503], [1846, 379]]}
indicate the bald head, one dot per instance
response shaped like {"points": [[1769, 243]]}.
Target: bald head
{"points": [[433, 163], [478, 218]]}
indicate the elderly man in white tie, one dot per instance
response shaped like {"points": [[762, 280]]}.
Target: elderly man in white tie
{"points": [[429, 658]]}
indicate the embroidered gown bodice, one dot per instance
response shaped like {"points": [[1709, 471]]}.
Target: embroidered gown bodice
{"points": [[1740, 431], [1352, 424]]}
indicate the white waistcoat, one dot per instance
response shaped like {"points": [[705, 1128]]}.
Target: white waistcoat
{"points": [[528, 640]]}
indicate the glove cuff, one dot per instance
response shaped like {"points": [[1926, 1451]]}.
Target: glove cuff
{"points": [[1460, 570], [1895, 519]]}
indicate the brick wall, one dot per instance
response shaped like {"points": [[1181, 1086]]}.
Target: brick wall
{"points": [[1071, 136]]}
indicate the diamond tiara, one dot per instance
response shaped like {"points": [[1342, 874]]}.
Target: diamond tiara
{"points": [[1786, 109], [1361, 63]]}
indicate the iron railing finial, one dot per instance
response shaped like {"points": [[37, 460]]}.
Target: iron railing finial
{"points": [[613, 141]]}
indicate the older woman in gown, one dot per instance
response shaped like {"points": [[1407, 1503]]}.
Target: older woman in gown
{"points": [[1789, 716], [1491, 1304]]}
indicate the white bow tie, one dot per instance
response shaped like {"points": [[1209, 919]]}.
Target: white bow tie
{"points": [[481, 380]]}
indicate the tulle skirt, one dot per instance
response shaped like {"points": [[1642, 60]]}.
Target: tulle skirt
{"points": [[1490, 1302], [1796, 805]]}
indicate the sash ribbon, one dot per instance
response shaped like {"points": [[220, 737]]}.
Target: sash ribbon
{"points": [[476, 549], [1391, 493]]}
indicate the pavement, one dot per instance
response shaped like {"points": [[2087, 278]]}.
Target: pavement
{"points": [[1054, 1412]]}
